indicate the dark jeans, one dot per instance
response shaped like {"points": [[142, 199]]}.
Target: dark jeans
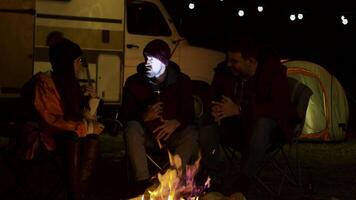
{"points": [[253, 149], [183, 142]]}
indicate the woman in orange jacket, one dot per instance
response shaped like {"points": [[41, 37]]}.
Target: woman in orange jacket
{"points": [[67, 123]]}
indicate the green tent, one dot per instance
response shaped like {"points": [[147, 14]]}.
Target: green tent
{"points": [[328, 110]]}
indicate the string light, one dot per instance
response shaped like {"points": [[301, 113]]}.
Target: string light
{"points": [[191, 6], [241, 13], [300, 16], [260, 8], [344, 20]]}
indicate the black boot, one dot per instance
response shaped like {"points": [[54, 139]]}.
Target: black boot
{"points": [[89, 155], [71, 153]]}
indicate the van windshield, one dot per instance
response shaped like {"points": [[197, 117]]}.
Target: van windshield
{"points": [[144, 18]]}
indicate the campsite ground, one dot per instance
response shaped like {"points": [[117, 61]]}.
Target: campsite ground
{"points": [[329, 173], [328, 168]]}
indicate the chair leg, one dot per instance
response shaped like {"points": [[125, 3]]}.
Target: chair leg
{"points": [[292, 178], [283, 173], [299, 167], [287, 172], [267, 188]]}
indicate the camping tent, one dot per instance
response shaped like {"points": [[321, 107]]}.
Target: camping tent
{"points": [[328, 111]]}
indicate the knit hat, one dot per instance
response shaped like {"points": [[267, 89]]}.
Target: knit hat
{"points": [[159, 49], [62, 51]]}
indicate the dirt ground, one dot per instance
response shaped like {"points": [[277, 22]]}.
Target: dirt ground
{"points": [[328, 173]]}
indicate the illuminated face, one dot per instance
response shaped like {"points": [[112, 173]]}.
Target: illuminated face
{"points": [[77, 66], [245, 67], [154, 67]]}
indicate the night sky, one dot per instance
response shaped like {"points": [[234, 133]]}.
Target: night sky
{"points": [[319, 37]]}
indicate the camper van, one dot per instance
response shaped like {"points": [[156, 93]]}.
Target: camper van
{"points": [[112, 34]]}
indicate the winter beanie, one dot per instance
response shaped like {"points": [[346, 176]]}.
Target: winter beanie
{"points": [[62, 51], [158, 49]]}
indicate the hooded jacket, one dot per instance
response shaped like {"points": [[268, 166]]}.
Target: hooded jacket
{"points": [[175, 93]]}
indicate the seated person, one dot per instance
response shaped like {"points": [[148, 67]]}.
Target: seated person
{"points": [[250, 101], [66, 121], [158, 103]]}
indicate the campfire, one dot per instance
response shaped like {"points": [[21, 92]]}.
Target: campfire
{"points": [[176, 183]]}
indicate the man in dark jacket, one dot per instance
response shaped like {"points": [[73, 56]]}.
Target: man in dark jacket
{"points": [[250, 102], [158, 103]]}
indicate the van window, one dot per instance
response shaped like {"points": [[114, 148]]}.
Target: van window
{"points": [[145, 18]]}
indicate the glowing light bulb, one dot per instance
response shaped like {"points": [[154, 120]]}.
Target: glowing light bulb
{"points": [[300, 16], [345, 21], [191, 6], [241, 13]]}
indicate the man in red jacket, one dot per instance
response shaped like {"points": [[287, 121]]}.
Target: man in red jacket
{"points": [[250, 102], [158, 104]]}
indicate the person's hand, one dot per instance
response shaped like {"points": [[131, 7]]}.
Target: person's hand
{"points": [[166, 129], [153, 112], [225, 108], [98, 128], [89, 91]]}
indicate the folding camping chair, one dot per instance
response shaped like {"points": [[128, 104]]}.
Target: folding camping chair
{"points": [[300, 95]]}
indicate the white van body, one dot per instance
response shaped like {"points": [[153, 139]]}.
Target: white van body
{"points": [[112, 34]]}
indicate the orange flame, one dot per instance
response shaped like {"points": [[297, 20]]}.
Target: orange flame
{"points": [[173, 185]]}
